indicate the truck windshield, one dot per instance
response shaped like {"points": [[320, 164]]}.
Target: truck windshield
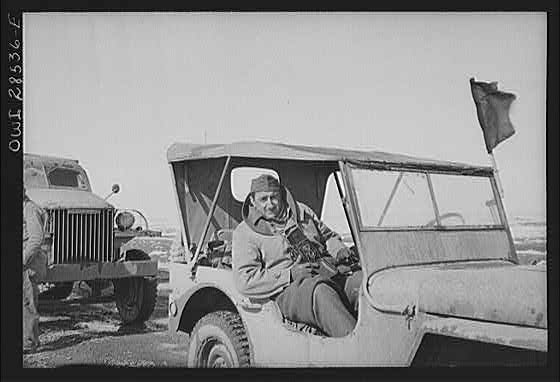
{"points": [[422, 199], [58, 176]]}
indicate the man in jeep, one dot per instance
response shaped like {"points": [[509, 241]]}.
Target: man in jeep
{"points": [[282, 251]]}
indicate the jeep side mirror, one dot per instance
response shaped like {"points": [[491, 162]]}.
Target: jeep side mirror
{"points": [[115, 188]]}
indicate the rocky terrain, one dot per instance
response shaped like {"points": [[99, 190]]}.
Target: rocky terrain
{"points": [[77, 331]]}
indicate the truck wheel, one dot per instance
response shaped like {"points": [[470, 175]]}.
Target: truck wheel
{"points": [[57, 292], [219, 340], [97, 286], [135, 298]]}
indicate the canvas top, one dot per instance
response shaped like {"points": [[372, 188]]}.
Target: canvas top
{"points": [[255, 149]]}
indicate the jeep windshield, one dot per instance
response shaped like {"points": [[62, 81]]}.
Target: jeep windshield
{"points": [[415, 217], [423, 200]]}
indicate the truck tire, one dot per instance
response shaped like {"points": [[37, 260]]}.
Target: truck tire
{"points": [[218, 340], [135, 298], [97, 286], [57, 292]]}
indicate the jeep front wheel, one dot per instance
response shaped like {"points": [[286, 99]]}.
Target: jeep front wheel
{"points": [[219, 340], [135, 298]]}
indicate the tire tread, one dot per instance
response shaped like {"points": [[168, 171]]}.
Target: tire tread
{"points": [[149, 289], [230, 322], [149, 299]]}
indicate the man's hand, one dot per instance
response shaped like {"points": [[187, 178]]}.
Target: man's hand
{"points": [[303, 271], [345, 255]]}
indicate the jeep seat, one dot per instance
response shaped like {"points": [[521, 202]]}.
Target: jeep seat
{"points": [[302, 327], [219, 249], [225, 234]]}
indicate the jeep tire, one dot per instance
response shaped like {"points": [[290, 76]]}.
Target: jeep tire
{"points": [[218, 340]]}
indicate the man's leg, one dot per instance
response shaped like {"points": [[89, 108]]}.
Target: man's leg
{"points": [[331, 314], [352, 289], [30, 315]]}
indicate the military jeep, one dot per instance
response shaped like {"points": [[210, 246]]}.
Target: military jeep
{"points": [[88, 240], [442, 283]]}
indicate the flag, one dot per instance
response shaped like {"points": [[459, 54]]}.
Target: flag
{"points": [[492, 109]]}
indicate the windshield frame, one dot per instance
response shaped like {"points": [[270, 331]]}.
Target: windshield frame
{"points": [[359, 223]]}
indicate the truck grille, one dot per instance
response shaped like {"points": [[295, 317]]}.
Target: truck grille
{"points": [[80, 235]]}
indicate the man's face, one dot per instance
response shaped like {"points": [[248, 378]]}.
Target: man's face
{"points": [[268, 203]]}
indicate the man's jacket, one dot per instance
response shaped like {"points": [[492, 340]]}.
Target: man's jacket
{"points": [[261, 259], [33, 234]]}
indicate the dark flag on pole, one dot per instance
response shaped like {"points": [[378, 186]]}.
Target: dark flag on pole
{"points": [[492, 109]]}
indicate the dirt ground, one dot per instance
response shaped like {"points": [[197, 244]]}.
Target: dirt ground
{"points": [[75, 332]]}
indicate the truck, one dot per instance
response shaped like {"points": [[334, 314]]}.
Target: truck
{"points": [[442, 284], [88, 239]]}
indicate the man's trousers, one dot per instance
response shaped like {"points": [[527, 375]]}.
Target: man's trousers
{"points": [[30, 314], [329, 304]]}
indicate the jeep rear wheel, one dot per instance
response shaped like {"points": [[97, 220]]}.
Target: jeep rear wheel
{"points": [[135, 298], [219, 340]]}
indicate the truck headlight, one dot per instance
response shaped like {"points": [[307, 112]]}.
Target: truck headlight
{"points": [[124, 220]]}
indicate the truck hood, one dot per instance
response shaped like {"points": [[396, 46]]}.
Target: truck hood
{"points": [[494, 291], [49, 198]]}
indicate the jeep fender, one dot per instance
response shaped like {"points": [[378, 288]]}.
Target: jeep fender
{"points": [[203, 298], [523, 337]]}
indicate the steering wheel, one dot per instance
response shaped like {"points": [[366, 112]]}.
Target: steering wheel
{"points": [[351, 264], [447, 215]]}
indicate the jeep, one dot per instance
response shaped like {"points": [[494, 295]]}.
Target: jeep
{"points": [[442, 284]]}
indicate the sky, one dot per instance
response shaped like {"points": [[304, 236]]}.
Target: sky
{"points": [[115, 90]]}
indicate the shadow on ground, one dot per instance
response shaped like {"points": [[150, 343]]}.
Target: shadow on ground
{"points": [[81, 318]]}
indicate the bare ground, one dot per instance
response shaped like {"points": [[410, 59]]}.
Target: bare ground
{"points": [[77, 332]]}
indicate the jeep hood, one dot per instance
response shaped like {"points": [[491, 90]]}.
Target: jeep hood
{"points": [[55, 198], [487, 291]]}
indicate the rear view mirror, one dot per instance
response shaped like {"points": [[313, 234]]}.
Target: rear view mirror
{"points": [[115, 188]]}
